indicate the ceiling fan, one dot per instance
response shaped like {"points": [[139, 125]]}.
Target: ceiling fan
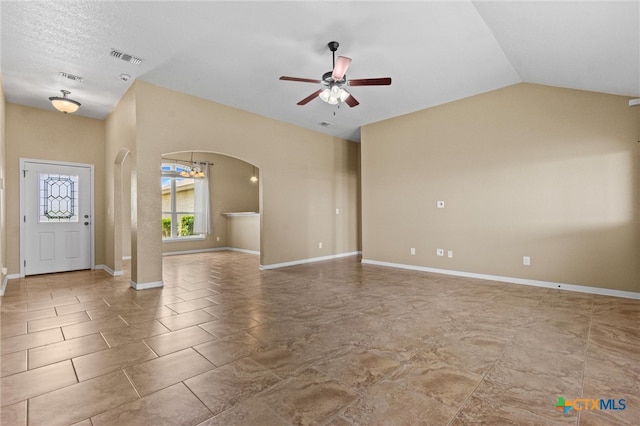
{"points": [[334, 81]]}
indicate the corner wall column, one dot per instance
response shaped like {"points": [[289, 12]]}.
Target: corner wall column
{"points": [[146, 232]]}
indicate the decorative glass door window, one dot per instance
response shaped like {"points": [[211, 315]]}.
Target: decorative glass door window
{"points": [[58, 198]]}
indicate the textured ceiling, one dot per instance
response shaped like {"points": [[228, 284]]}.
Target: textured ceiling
{"points": [[234, 52]]}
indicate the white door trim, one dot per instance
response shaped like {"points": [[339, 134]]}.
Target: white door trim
{"points": [[23, 229]]}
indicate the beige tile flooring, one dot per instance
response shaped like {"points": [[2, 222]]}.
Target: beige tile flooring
{"points": [[332, 343]]}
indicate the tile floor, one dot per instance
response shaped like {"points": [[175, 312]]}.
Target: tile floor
{"points": [[333, 343]]}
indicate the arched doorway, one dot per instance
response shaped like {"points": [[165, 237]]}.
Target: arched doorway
{"points": [[234, 203], [121, 210]]}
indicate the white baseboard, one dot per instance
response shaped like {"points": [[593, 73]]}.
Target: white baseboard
{"points": [[3, 287], [176, 253], [257, 253], [512, 280], [310, 260], [109, 270], [5, 281], [145, 286]]}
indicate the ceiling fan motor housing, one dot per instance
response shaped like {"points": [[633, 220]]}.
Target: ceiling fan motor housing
{"points": [[327, 79]]}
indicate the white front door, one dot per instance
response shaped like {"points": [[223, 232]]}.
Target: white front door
{"points": [[56, 217]]}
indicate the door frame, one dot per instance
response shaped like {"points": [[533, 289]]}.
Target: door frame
{"points": [[23, 227]]}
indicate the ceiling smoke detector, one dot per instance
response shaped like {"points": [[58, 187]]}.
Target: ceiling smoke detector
{"points": [[124, 77], [125, 57]]}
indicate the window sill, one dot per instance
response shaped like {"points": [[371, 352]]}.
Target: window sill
{"points": [[183, 239]]}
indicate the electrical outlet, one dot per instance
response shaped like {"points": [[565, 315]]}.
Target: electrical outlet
{"points": [[440, 204], [217, 238], [526, 260], [450, 254], [413, 251], [320, 244], [439, 252]]}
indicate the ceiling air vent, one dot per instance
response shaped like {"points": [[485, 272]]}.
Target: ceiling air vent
{"points": [[71, 76], [125, 57]]}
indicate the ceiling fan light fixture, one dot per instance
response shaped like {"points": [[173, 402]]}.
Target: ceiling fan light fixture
{"points": [[64, 104], [344, 95], [334, 95], [325, 95]]}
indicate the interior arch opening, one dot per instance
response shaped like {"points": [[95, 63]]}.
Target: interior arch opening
{"points": [[121, 211], [210, 201]]}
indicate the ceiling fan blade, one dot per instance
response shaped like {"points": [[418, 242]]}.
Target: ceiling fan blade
{"points": [[341, 68], [310, 97], [302, 80], [351, 101], [384, 81]]}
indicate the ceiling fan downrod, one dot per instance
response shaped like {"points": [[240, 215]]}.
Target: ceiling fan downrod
{"points": [[333, 46]]}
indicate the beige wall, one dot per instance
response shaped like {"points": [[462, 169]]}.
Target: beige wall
{"points": [[305, 175], [528, 170], [232, 189], [50, 135], [120, 139], [3, 198], [244, 232]]}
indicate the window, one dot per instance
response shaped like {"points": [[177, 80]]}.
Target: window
{"points": [[185, 203], [58, 198]]}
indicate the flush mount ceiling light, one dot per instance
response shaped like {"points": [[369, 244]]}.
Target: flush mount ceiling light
{"points": [[64, 104]]}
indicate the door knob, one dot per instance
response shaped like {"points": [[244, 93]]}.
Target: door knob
{"points": [[86, 223]]}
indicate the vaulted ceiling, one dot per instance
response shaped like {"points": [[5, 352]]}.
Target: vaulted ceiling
{"points": [[233, 52]]}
